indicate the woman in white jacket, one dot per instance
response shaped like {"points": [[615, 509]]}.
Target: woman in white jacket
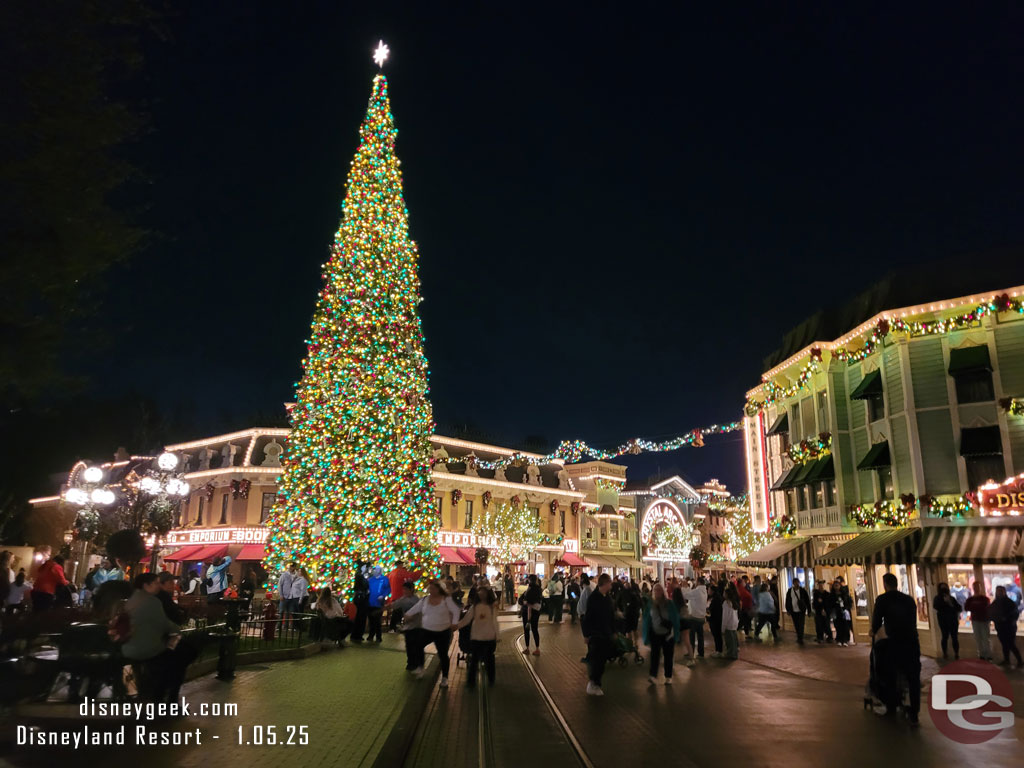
{"points": [[439, 616], [483, 634]]}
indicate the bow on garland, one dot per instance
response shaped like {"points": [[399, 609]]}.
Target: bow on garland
{"points": [[240, 489], [456, 496], [575, 507], [698, 557], [785, 526], [554, 506]]}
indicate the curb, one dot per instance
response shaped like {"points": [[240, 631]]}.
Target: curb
{"points": [[397, 744]]}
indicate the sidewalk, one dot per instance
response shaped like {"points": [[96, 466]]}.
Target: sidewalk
{"points": [[349, 700]]}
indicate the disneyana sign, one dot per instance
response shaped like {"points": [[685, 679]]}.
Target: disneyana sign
{"points": [[1006, 498]]}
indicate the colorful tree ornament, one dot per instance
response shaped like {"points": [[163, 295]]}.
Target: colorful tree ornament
{"points": [[356, 482]]}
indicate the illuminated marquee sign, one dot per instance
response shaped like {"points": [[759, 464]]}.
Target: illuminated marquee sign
{"points": [[662, 513], [254, 535], [1006, 498]]}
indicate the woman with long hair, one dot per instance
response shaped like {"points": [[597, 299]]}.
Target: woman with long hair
{"points": [[530, 606], [948, 611], [731, 621], [482, 619], [660, 631]]}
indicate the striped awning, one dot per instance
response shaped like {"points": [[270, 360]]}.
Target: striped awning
{"points": [[781, 553], [895, 547], [971, 544]]}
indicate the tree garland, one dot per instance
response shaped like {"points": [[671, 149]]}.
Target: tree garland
{"points": [[573, 451], [897, 514], [871, 340]]}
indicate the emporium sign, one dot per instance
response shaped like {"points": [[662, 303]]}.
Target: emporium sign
{"points": [[472, 541], [662, 513], [1006, 498], [253, 535]]}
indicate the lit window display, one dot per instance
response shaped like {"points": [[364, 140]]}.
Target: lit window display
{"points": [[960, 578], [1007, 576], [911, 583]]}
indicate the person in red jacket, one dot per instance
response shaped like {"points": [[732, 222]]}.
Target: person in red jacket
{"points": [[49, 576], [397, 578], [746, 606]]}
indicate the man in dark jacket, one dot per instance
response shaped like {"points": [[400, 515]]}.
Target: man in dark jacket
{"points": [[572, 594], [798, 605], [897, 614], [822, 604], [361, 598], [165, 595], [598, 629]]}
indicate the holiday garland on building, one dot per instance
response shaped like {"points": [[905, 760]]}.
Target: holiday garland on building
{"points": [[356, 481], [1012, 405], [810, 450], [869, 342]]}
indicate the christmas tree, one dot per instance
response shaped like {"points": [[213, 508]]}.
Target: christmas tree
{"points": [[356, 482]]}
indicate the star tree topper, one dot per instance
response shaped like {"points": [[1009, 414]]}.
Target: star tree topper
{"points": [[381, 53]]}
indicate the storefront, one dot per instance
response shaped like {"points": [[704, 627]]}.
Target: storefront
{"points": [[791, 558], [458, 554], [185, 550], [866, 558], [986, 551]]}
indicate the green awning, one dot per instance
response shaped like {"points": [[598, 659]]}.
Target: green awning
{"points": [[781, 424], [800, 478], [869, 388], [969, 360], [981, 441], [877, 457], [823, 470], [784, 482]]}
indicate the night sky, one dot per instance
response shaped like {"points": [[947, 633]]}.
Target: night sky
{"points": [[619, 208]]}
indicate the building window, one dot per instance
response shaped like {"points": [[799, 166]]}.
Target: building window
{"points": [[830, 493], [224, 509], [469, 514], [613, 528], [265, 507], [876, 408], [791, 502], [823, 412], [801, 498], [604, 531], [885, 482], [795, 428], [440, 509], [981, 469], [202, 506], [974, 387], [561, 512], [819, 495]]}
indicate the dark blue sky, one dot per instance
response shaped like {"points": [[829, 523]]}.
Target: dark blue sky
{"points": [[620, 208]]}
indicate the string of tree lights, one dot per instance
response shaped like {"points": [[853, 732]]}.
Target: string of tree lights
{"points": [[355, 483], [869, 341]]}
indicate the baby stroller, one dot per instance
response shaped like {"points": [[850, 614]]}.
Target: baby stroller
{"points": [[622, 645], [883, 673]]}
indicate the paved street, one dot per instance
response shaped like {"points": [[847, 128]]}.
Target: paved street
{"points": [[777, 706]]}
